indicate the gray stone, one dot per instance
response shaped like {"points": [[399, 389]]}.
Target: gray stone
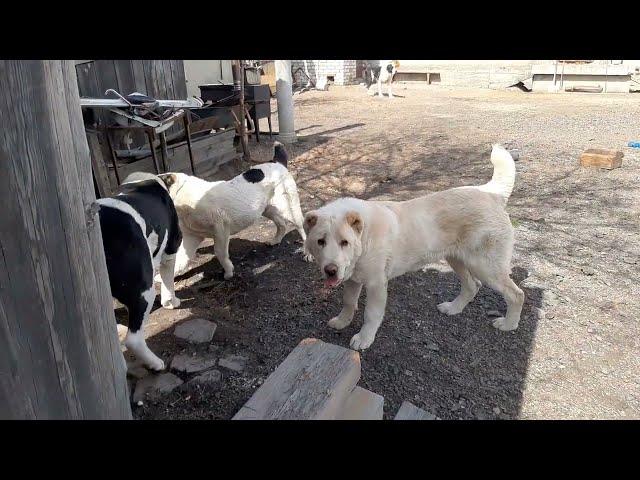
{"points": [[190, 364], [588, 271], [154, 385], [197, 330], [433, 347], [207, 378], [233, 362], [137, 371]]}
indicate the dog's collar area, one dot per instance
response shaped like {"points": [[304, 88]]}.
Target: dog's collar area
{"points": [[180, 188]]}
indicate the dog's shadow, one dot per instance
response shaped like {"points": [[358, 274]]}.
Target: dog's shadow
{"points": [[453, 366]]}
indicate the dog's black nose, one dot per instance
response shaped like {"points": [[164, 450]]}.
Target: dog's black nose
{"points": [[331, 270]]}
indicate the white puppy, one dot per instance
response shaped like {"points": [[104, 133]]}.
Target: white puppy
{"points": [[220, 209], [382, 73], [370, 242]]}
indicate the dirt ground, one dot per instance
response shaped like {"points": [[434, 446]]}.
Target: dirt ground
{"points": [[575, 354]]}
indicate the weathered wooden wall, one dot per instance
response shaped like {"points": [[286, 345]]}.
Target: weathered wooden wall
{"points": [[59, 352], [157, 78]]}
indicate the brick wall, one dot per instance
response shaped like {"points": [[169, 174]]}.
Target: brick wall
{"points": [[343, 71]]}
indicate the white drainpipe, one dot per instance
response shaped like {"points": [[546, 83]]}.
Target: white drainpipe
{"points": [[284, 95]]}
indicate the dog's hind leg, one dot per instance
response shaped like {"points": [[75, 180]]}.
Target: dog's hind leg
{"points": [[468, 290], [273, 214], [221, 248], [495, 274], [168, 297], [389, 87], [295, 215], [514, 298], [139, 309]]}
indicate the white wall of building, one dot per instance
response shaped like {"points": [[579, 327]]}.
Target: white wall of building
{"points": [[202, 72]]}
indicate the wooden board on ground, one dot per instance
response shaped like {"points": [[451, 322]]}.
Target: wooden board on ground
{"points": [[602, 158], [362, 404], [408, 411], [312, 383]]}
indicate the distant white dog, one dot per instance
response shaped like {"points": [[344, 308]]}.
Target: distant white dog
{"points": [[220, 209], [382, 73], [368, 243]]}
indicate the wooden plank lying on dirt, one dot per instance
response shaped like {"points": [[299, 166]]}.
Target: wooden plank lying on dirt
{"points": [[602, 158], [362, 404], [312, 383], [408, 411]]}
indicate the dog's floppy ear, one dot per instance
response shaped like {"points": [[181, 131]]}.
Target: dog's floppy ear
{"points": [[310, 220], [355, 221]]}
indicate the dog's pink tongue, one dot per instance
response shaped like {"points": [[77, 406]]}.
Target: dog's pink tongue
{"points": [[330, 282]]}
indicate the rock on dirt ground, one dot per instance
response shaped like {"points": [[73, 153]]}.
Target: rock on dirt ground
{"points": [[575, 354]]}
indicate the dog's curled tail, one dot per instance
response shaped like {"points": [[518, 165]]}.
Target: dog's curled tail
{"points": [[504, 173], [280, 154]]}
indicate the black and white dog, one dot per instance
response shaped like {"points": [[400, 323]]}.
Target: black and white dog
{"points": [[140, 233], [220, 209], [383, 72]]}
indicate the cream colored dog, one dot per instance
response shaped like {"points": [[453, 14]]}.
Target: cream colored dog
{"points": [[358, 242], [220, 209]]}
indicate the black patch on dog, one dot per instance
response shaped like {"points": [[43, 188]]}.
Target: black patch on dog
{"points": [[390, 68], [125, 245], [280, 154], [253, 175]]}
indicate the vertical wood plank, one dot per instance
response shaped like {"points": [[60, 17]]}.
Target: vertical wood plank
{"points": [[126, 80], [60, 356]]}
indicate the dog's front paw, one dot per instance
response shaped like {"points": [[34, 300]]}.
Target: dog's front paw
{"points": [[228, 275], [306, 255], [503, 324], [361, 341], [337, 323], [171, 303], [449, 308], [155, 364]]}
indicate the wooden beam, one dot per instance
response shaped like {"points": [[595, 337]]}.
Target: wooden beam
{"points": [[312, 383], [408, 411], [99, 167], [238, 79], [362, 404], [60, 356]]}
